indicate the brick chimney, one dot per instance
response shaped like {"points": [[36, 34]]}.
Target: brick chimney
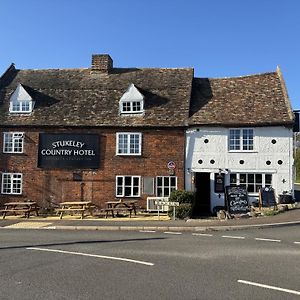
{"points": [[102, 63]]}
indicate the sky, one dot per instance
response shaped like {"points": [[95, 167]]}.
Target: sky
{"points": [[218, 38]]}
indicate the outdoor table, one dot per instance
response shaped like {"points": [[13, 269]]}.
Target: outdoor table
{"points": [[25, 207], [120, 205], [75, 206]]}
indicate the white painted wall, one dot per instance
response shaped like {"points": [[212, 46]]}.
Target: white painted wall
{"points": [[255, 161]]}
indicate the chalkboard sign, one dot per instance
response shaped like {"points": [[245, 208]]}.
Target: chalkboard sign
{"points": [[237, 199], [267, 197]]}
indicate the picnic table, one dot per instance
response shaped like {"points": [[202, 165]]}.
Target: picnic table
{"points": [[25, 207], [75, 206], [120, 205]]}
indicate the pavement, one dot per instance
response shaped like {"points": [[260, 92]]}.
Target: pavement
{"points": [[163, 223]]}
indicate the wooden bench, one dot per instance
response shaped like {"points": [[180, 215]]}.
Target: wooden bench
{"points": [[79, 206], [20, 207], [117, 209]]}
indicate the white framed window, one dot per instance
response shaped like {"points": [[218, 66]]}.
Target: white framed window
{"points": [[21, 101], [129, 143], [132, 101], [22, 106], [128, 186], [241, 140], [132, 107], [252, 181], [165, 185], [11, 183], [13, 142]]}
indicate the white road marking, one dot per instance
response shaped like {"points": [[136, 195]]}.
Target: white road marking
{"points": [[202, 234], [296, 242], [93, 255], [172, 232], [150, 231], [270, 287], [233, 237], [267, 240]]}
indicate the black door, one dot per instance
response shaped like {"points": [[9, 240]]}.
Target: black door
{"points": [[202, 203]]}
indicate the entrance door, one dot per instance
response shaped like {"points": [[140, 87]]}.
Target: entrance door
{"points": [[202, 184]]}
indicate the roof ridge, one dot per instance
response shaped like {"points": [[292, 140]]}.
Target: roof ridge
{"points": [[236, 77], [285, 93]]}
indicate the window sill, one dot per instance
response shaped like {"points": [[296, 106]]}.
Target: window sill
{"points": [[242, 151]]}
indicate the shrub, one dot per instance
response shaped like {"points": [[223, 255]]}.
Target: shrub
{"points": [[182, 196], [183, 211], [186, 202]]}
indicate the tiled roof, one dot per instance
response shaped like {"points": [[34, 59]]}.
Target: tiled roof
{"points": [[81, 97], [255, 100]]}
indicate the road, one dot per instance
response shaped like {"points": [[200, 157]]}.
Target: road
{"points": [[54, 264]]}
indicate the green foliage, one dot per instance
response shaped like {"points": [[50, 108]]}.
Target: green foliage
{"points": [[182, 196], [186, 201], [183, 211]]}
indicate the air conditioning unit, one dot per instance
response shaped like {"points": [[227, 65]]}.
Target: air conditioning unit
{"points": [[151, 206]]}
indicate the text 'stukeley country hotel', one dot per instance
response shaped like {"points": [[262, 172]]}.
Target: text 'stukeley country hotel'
{"points": [[102, 133]]}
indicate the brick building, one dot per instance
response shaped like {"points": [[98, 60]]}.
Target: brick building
{"points": [[103, 133], [95, 134]]}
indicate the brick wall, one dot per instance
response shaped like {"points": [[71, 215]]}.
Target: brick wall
{"points": [[54, 186]]}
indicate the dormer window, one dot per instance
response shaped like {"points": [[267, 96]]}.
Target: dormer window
{"points": [[21, 101], [132, 102]]}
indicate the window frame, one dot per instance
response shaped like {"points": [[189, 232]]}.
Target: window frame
{"points": [[14, 138], [129, 144], [163, 186], [131, 104], [132, 186], [12, 181], [20, 104], [255, 184], [237, 140]]}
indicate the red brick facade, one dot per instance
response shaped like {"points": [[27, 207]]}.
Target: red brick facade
{"points": [[48, 186]]}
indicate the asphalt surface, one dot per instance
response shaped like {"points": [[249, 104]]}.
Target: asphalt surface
{"points": [[67, 264], [206, 224]]}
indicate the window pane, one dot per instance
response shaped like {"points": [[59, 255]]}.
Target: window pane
{"points": [[268, 179], [234, 139], [127, 191], [250, 188], [135, 191], [232, 178], [247, 139], [258, 178], [166, 181], [127, 180], [242, 178], [250, 178], [159, 181], [173, 181], [159, 192]]}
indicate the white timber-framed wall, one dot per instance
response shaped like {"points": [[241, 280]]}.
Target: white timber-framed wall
{"points": [[205, 145]]}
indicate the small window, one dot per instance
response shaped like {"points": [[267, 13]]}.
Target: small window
{"points": [[241, 140], [165, 185], [21, 101], [128, 186], [132, 101], [11, 183], [13, 142], [129, 143]]}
